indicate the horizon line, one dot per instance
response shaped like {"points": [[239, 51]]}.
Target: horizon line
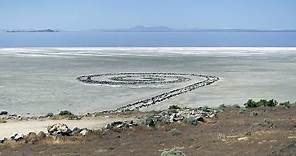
{"points": [[141, 28]]}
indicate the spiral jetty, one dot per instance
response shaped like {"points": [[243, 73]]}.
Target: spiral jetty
{"points": [[148, 79]]}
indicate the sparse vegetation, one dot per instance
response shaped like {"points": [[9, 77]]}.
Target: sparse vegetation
{"points": [[170, 130], [175, 132], [242, 110], [150, 121], [191, 121], [172, 152], [286, 104], [2, 121], [265, 103], [64, 115]]}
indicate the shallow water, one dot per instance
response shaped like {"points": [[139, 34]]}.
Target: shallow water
{"points": [[148, 39], [42, 80]]}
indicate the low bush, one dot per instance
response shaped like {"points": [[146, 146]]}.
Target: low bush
{"points": [[65, 113], [286, 104], [266, 103], [251, 103]]}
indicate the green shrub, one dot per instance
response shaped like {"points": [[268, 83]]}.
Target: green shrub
{"points": [[65, 113], [262, 102], [150, 121], [286, 104], [251, 103], [271, 103], [266, 103]]}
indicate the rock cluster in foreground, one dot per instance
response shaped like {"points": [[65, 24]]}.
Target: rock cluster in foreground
{"points": [[174, 114]]}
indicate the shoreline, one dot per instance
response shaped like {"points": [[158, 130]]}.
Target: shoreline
{"points": [[144, 51], [16, 124], [13, 124]]}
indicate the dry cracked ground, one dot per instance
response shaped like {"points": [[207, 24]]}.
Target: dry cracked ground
{"points": [[256, 131]]}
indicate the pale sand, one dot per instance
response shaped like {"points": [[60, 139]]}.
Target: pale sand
{"points": [[11, 127]]}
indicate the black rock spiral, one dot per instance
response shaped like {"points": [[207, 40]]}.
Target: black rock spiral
{"points": [[139, 79]]}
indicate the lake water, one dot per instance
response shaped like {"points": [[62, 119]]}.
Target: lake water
{"points": [[149, 39], [42, 80]]}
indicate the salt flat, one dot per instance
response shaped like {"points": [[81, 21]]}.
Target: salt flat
{"points": [[42, 80]]}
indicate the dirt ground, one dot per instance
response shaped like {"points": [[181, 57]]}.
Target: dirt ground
{"points": [[258, 131]]}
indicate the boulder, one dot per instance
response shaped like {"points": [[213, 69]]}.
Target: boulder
{"points": [[85, 131], [41, 135], [176, 117], [76, 131], [2, 140], [120, 125], [3, 113], [17, 137], [31, 138], [59, 129], [49, 115]]}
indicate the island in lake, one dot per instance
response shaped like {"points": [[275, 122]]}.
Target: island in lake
{"points": [[41, 30]]}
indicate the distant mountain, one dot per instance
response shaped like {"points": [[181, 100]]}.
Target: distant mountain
{"points": [[167, 29], [40, 30], [141, 29], [154, 29], [244, 30]]}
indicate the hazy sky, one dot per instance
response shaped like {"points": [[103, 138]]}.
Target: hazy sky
{"points": [[90, 14]]}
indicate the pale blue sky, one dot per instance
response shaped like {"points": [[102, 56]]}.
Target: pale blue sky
{"points": [[91, 14]]}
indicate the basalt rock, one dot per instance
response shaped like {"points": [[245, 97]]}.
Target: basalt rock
{"points": [[85, 131], [117, 125], [41, 135], [49, 115], [76, 131], [3, 113], [187, 115], [2, 140], [17, 137], [59, 129], [31, 138]]}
